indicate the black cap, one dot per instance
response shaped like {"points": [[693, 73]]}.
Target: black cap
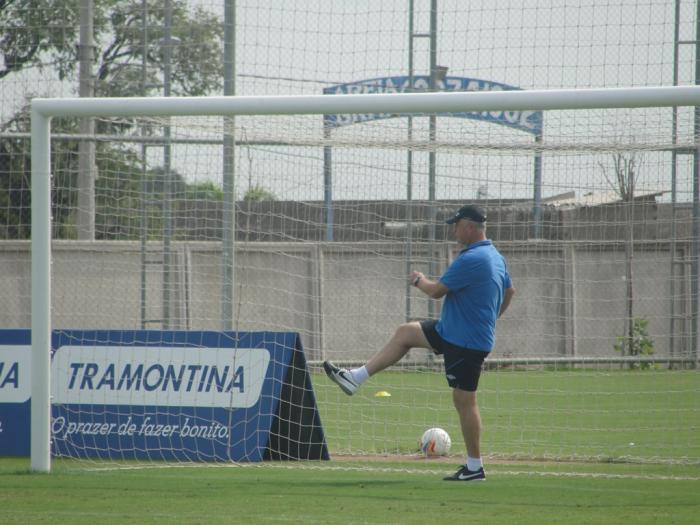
{"points": [[471, 212]]}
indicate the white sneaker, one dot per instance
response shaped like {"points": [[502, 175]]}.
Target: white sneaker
{"points": [[341, 377]]}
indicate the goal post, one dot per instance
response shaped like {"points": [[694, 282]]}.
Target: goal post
{"points": [[40, 439], [43, 110]]}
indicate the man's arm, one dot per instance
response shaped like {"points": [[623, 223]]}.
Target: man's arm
{"points": [[507, 298], [434, 289]]}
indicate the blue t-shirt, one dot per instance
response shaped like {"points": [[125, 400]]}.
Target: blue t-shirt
{"points": [[477, 280]]}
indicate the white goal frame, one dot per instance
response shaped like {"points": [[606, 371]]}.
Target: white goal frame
{"points": [[43, 110]]}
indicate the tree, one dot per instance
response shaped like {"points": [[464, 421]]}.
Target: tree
{"points": [[35, 29], [196, 58], [639, 345], [15, 203], [43, 34], [258, 193], [118, 195], [204, 191], [15, 168], [624, 182]]}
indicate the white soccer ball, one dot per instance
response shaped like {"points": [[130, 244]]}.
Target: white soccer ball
{"points": [[435, 442]]}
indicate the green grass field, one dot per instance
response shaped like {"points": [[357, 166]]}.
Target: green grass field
{"points": [[604, 415], [401, 493], [532, 415]]}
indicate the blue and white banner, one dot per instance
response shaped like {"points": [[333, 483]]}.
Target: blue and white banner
{"points": [[15, 392], [14, 374], [160, 395], [159, 376], [528, 121]]}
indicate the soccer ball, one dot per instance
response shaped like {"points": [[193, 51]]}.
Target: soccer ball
{"points": [[435, 442]]}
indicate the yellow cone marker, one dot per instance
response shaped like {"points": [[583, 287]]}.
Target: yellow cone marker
{"points": [[382, 393]]}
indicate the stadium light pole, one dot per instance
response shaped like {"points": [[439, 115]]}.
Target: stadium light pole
{"points": [[437, 75], [228, 234], [85, 214], [167, 45], [695, 236], [409, 165]]}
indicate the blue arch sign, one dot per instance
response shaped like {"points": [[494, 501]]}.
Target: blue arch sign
{"points": [[527, 121]]}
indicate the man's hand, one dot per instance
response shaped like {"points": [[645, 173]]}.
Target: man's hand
{"points": [[416, 277], [434, 289], [507, 298]]}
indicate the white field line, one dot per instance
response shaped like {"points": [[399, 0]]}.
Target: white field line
{"points": [[400, 470]]}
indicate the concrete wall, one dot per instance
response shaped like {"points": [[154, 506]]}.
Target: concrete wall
{"points": [[382, 221], [346, 298]]}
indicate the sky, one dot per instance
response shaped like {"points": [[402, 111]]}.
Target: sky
{"points": [[296, 47]]}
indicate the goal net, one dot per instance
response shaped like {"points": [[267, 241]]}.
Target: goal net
{"points": [[209, 229]]}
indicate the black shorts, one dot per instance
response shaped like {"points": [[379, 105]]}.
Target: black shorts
{"points": [[462, 365]]}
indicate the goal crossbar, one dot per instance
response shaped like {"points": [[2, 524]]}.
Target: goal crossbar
{"points": [[455, 102], [42, 110]]}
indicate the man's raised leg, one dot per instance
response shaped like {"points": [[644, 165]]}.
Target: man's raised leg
{"points": [[407, 336]]}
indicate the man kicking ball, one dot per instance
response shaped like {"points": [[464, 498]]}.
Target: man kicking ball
{"points": [[477, 289]]}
